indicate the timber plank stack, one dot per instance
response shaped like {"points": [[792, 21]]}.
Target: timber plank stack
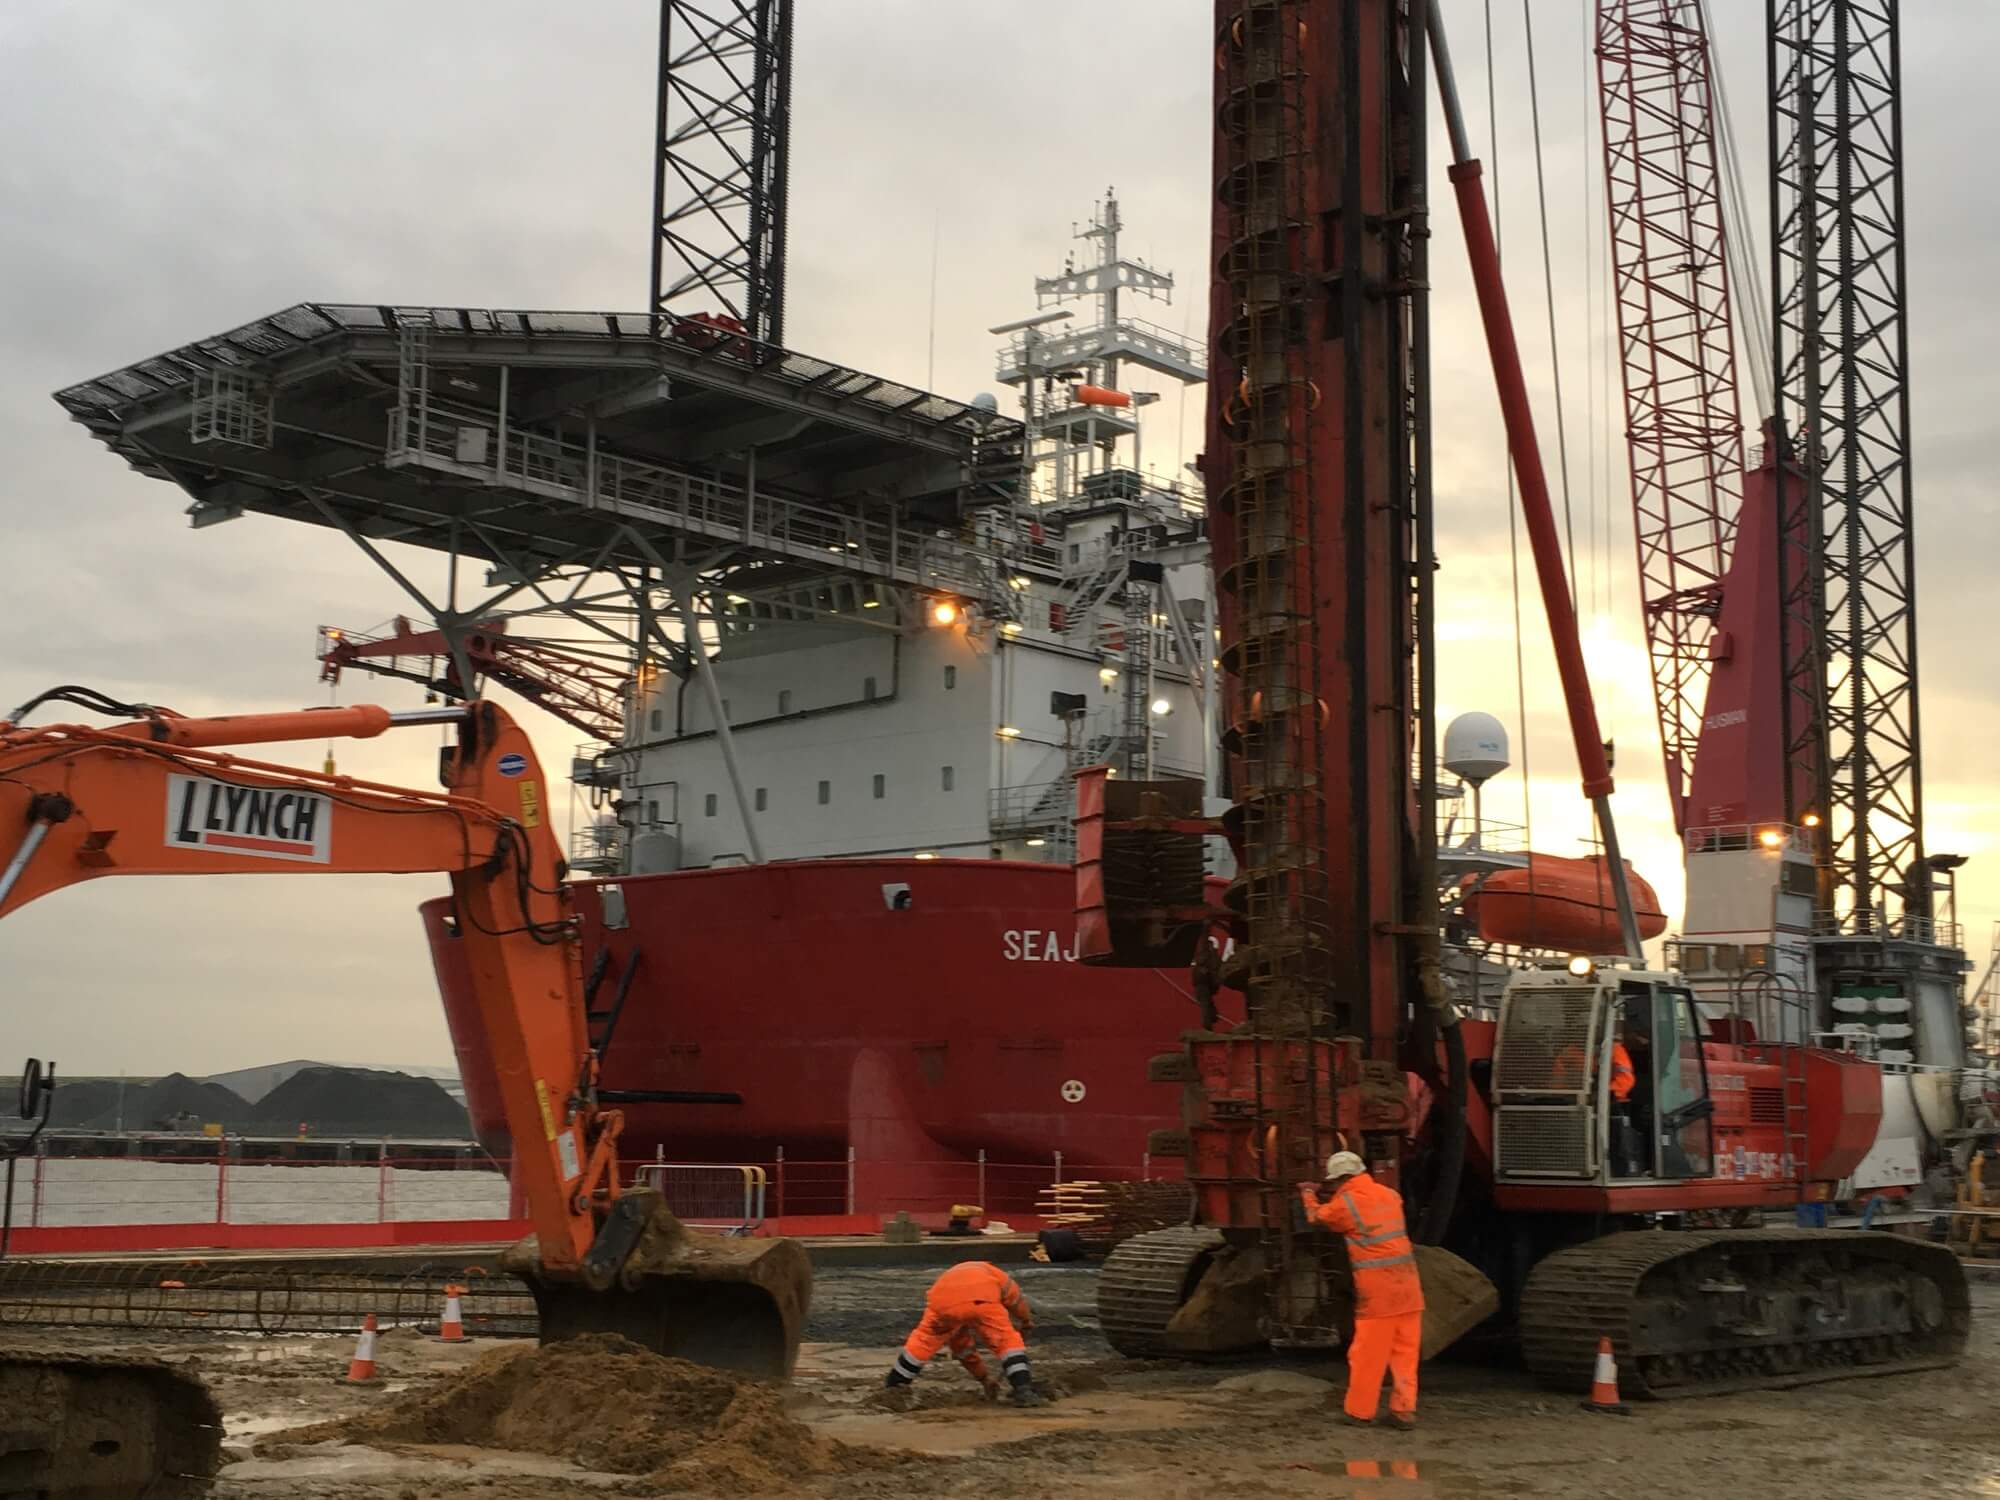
{"points": [[1105, 1214]]}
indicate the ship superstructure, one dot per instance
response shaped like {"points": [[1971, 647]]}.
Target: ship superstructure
{"points": [[848, 716]]}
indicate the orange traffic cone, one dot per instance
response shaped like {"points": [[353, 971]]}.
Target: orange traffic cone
{"points": [[361, 1368], [451, 1327], [1604, 1385]]}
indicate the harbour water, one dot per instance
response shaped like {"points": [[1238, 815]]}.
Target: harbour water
{"points": [[74, 1191]]}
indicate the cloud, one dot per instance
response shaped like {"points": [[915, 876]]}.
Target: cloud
{"points": [[180, 170]]}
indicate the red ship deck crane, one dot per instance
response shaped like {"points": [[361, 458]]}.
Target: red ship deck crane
{"points": [[1779, 599], [1707, 527], [584, 693], [1676, 346]]}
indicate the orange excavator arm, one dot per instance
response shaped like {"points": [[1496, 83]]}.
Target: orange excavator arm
{"points": [[160, 797], [169, 795]]}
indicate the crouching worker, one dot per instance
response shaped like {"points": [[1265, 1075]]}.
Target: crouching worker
{"points": [[1388, 1294], [972, 1303]]}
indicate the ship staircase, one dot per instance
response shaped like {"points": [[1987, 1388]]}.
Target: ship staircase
{"points": [[1047, 809], [1093, 588], [1136, 754]]}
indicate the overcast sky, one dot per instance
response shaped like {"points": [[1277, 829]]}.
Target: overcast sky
{"points": [[175, 170]]}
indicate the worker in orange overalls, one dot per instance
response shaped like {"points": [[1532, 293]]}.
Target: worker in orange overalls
{"points": [[1388, 1294], [1622, 1076], [974, 1301], [1567, 1070], [1629, 1154]]}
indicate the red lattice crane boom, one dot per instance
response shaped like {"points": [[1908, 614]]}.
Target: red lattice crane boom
{"points": [[1663, 195], [585, 694]]}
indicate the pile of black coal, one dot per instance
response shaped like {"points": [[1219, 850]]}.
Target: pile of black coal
{"points": [[361, 1101]]}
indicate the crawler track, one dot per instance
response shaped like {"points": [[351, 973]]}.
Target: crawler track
{"points": [[104, 1427], [1143, 1284], [1694, 1314]]}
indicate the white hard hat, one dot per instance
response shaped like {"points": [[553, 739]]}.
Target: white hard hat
{"points": [[1345, 1164]]}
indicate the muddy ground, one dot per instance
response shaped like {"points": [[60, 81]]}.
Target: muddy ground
{"points": [[1158, 1430]]}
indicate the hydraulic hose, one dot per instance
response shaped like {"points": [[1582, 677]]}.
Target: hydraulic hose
{"points": [[1451, 1149]]}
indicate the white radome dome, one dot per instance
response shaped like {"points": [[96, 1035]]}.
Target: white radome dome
{"points": [[1475, 747]]}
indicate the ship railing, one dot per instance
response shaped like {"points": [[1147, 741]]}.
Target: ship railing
{"points": [[78, 1193], [1032, 806], [471, 444], [1012, 535], [1908, 927], [1195, 349], [1457, 835], [1000, 1184], [710, 1195], [1455, 830], [173, 1181], [597, 847], [1724, 837], [1034, 352]]}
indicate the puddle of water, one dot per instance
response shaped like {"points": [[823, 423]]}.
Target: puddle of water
{"points": [[1372, 1478], [352, 1462], [261, 1354], [324, 1461], [243, 1425], [965, 1429]]}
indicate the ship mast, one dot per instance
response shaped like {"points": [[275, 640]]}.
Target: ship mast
{"points": [[1076, 438]]}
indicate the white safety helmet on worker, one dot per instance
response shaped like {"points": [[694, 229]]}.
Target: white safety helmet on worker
{"points": [[1344, 1164]]}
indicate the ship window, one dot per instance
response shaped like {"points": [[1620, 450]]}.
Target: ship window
{"points": [[784, 700], [655, 720], [1076, 551], [880, 783], [868, 689], [763, 799], [825, 793], [708, 805], [950, 678], [948, 777], [652, 811]]}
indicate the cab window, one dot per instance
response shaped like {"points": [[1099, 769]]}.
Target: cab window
{"points": [[1682, 1112]]}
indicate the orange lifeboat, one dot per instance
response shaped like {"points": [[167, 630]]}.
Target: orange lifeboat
{"points": [[1097, 395], [1561, 903]]}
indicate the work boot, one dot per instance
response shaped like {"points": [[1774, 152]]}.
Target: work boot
{"points": [[1348, 1419], [1027, 1395], [1403, 1421], [899, 1397]]}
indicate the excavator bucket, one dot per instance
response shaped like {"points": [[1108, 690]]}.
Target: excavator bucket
{"points": [[732, 1303], [103, 1427], [1457, 1298], [1187, 1293]]}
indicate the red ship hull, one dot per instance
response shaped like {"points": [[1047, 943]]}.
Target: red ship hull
{"points": [[916, 1037]]}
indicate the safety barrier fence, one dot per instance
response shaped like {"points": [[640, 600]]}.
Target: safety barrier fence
{"points": [[710, 1195]]}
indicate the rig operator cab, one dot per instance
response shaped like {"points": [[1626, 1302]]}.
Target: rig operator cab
{"points": [[1602, 1077], [1613, 1094]]}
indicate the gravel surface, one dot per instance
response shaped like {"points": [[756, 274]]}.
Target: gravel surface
{"points": [[880, 1305], [1157, 1430]]}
